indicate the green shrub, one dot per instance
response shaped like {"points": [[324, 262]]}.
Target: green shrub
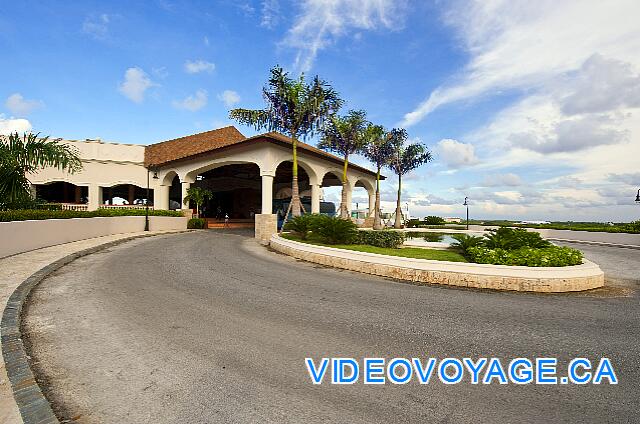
{"points": [[525, 256], [385, 238], [196, 223], [335, 230], [514, 238], [434, 220], [29, 214], [464, 242], [302, 225]]}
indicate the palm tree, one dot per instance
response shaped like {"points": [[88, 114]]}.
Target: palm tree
{"points": [[403, 160], [198, 195], [294, 107], [344, 135], [23, 155], [379, 150]]}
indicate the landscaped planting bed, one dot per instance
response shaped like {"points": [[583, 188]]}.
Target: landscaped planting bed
{"points": [[29, 214]]}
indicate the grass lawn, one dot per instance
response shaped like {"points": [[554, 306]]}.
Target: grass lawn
{"points": [[406, 252]]}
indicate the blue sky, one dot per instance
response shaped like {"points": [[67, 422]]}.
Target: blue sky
{"points": [[531, 110]]}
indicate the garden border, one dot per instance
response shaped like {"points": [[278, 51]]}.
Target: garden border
{"points": [[586, 276]]}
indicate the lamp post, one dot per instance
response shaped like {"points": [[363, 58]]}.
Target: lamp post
{"points": [[638, 196], [466, 203], [146, 202]]}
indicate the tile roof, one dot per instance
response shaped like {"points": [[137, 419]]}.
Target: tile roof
{"points": [[184, 147]]}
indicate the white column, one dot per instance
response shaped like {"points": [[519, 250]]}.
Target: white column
{"points": [[372, 202], [185, 187], [349, 198], [315, 198], [161, 197], [95, 196], [32, 190], [267, 194]]}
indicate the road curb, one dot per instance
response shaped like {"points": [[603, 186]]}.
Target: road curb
{"points": [[598, 243], [32, 404]]}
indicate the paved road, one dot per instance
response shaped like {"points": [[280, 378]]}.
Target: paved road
{"points": [[210, 327]]}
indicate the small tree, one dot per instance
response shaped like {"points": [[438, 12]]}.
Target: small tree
{"points": [[344, 135], [404, 160], [294, 107], [26, 154], [379, 150], [197, 195]]}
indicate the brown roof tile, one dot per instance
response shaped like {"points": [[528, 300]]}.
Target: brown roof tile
{"points": [[179, 148]]}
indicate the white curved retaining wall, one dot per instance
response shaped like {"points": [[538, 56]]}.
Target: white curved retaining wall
{"points": [[22, 236], [498, 277]]}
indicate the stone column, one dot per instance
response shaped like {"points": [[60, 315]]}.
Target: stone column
{"points": [[372, 202], [315, 198], [349, 198], [161, 197], [95, 197], [266, 226], [267, 194], [185, 186]]}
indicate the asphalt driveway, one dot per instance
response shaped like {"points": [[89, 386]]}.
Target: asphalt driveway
{"points": [[211, 327]]}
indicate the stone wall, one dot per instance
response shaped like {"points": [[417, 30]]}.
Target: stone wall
{"points": [[266, 226], [497, 277]]}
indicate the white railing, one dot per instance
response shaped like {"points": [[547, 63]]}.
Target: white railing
{"points": [[74, 207], [125, 207]]}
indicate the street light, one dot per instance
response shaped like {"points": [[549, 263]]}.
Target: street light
{"points": [[638, 196], [466, 203], [146, 203]]}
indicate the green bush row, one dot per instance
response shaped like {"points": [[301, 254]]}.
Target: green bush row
{"points": [[29, 214], [196, 223], [525, 256], [515, 246], [334, 230], [385, 238]]}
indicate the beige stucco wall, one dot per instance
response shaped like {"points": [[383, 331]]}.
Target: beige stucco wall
{"points": [[496, 277], [22, 236]]}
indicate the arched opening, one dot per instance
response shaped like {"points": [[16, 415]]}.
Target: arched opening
{"points": [[236, 193], [175, 194], [126, 195], [62, 192], [359, 203], [282, 189], [330, 196]]}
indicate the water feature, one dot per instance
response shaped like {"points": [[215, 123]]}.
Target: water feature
{"points": [[420, 238]]}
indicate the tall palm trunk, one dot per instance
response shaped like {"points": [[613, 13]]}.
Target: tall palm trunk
{"points": [[344, 210], [295, 191], [398, 222], [377, 222]]}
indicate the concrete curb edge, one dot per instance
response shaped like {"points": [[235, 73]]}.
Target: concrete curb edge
{"points": [[32, 404]]}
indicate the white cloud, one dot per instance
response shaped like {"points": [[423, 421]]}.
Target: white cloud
{"points": [[136, 82], [229, 98], [97, 26], [193, 102], [522, 44], [20, 106], [9, 125], [601, 85], [456, 154], [197, 66], [270, 13], [322, 22], [499, 180]]}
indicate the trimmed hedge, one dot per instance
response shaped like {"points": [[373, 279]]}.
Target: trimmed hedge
{"points": [[29, 214], [384, 238], [526, 256], [196, 223]]}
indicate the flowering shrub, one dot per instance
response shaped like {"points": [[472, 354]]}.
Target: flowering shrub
{"points": [[525, 256]]}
